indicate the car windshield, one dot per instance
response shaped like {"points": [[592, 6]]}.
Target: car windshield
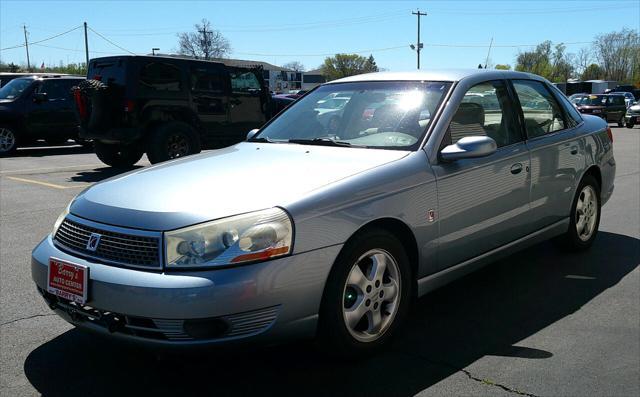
{"points": [[387, 115], [14, 88], [593, 100]]}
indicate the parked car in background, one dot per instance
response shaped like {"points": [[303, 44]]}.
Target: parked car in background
{"points": [[37, 107], [168, 107], [280, 102], [610, 107], [301, 231], [632, 117], [629, 99], [575, 98], [6, 77]]}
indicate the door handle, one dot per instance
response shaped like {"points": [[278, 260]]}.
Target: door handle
{"points": [[516, 168], [574, 150]]}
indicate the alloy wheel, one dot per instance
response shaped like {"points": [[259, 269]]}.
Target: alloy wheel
{"points": [[586, 213], [371, 296], [177, 146], [7, 140]]}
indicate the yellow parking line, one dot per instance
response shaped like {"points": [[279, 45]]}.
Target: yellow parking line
{"points": [[33, 170], [53, 185]]}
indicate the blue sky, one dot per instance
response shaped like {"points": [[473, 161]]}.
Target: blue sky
{"points": [[455, 33]]}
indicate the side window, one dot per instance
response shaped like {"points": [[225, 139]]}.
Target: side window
{"points": [[573, 116], [542, 113], [617, 100], [56, 89], [486, 110], [244, 82], [207, 80], [160, 77]]}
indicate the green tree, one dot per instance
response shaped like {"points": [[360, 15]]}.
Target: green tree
{"points": [[503, 67], [618, 54], [343, 65], [592, 72]]}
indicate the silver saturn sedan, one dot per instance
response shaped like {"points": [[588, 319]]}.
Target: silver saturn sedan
{"points": [[309, 231]]}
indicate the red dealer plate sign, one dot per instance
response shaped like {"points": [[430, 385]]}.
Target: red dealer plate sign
{"points": [[68, 280]]}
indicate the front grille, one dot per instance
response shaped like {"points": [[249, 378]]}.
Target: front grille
{"points": [[118, 248]]}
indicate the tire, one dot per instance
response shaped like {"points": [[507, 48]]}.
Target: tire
{"points": [[120, 156], [172, 140], [585, 212], [621, 121], [8, 141], [342, 299], [630, 124], [86, 143]]}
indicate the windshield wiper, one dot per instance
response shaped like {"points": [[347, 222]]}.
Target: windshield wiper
{"points": [[322, 142]]}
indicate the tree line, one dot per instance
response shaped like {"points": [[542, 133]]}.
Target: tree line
{"points": [[613, 56]]}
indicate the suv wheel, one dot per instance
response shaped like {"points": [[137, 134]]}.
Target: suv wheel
{"points": [[172, 140], [621, 121], [8, 141], [367, 295], [117, 155], [584, 218], [630, 124]]}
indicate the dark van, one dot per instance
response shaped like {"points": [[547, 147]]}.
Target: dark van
{"points": [[168, 107]]}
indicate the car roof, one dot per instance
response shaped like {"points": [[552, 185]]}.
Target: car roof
{"points": [[438, 75], [51, 76]]}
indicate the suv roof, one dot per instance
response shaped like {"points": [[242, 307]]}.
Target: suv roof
{"points": [[50, 76]]}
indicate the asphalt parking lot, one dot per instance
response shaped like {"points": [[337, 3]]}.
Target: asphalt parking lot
{"points": [[538, 323]]}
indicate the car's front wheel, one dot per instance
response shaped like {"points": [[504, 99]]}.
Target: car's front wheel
{"points": [[367, 295], [621, 121], [8, 141], [118, 155], [630, 124], [585, 216]]}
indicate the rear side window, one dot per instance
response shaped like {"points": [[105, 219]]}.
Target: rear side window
{"points": [[542, 113], [573, 116], [244, 82], [56, 89], [110, 71], [617, 100], [486, 110], [158, 76], [207, 80]]}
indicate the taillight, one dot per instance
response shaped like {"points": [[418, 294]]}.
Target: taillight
{"points": [[610, 134], [128, 105]]}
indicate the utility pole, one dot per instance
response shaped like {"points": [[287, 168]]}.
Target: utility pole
{"points": [[26, 44], [205, 42], [488, 52], [86, 46], [419, 44], [153, 50]]}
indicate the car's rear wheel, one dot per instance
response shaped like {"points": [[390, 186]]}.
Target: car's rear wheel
{"points": [[585, 216], [172, 140], [630, 124], [118, 155], [367, 295], [8, 141], [621, 121]]}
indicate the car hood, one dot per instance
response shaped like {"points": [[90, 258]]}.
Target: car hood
{"points": [[238, 179]]}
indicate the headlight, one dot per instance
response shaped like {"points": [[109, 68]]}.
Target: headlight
{"points": [[243, 238], [61, 217]]}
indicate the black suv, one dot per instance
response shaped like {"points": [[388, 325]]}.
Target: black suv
{"points": [[37, 107], [168, 107]]}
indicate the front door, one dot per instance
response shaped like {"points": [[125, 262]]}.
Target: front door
{"points": [[246, 103], [55, 116], [483, 202]]}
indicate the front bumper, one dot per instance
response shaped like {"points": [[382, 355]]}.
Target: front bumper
{"points": [[632, 119], [272, 300]]}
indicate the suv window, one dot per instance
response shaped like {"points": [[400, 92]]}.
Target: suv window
{"points": [[207, 80], [542, 113], [56, 89], [617, 100], [244, 82], [160, 77], [486, 110]]}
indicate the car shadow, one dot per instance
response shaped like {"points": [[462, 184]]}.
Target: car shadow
{"points": [[485, 313], [98, 174]]}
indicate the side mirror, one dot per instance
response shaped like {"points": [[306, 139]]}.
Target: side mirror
{"points": [[469, 147], [40, 97], [252, 133]]}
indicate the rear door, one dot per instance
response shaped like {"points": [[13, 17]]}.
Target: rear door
{"points": [[616, 108], [209, 98], [55, 116], [483, 202], [554, 147]]}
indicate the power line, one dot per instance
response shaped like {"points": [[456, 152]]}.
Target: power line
{"points": [[41, 41], [111, 42], [73, 49]]}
